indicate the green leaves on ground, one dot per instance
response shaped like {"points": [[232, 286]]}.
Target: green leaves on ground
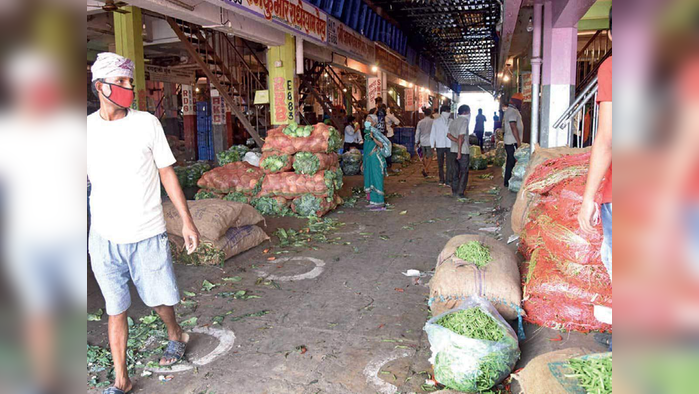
{"points": [[207, 286], [317, 231], [256, 314], [97, 316]]}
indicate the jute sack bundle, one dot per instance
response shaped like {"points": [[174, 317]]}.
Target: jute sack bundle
{"points": [[236, 241], [540, 375], [525, 199], [456, 280], [212, 217]]}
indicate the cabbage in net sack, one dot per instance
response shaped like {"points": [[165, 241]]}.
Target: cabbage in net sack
{"points": [[352, 162], [203, 194], [237, 197], [306, 163], [473, 348], [275, 163], [271, 206]]}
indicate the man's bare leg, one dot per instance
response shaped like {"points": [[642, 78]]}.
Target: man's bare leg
{"points": [[118, 338], [41, 345], [174, 331]]}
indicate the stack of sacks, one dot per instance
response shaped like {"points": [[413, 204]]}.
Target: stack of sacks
{"points": [[302, 171], [565, 276], [227, 229], [238, 182]]}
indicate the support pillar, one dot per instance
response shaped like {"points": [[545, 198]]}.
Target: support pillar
{"points": [[536, 73], [558, 85], [384, 87], [189, 113], [128, 35], [281, 62]]}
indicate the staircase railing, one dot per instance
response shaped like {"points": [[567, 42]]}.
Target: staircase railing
{"points": [[225, 66], [575, 120], [310, 86], [589, 58]]}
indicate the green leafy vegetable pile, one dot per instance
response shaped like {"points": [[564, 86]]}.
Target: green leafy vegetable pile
{"points": [[317, 231], [400, 154], [189, 175], [334, 182], [275, 163], [475, 253], [307, 205], [295, 130], [335, 141], [237, 197], [203, 194], [147, 340], [205, 254], [479, 163], [593, 374], [270, 206], [306, 163]]}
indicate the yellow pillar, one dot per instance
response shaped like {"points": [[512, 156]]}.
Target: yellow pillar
{"points": [[128, 34], [281, 62]]}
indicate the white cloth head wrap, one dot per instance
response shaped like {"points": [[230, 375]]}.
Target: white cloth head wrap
{"points": [[109, 65]]}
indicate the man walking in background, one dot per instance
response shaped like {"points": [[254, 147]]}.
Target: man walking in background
{"points": [[440, 142], [479, 129], [459, 154], [514, 129], [422, 139], [127, 159]]}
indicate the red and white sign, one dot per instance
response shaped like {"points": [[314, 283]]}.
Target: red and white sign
{"points": [[218, 108], [188, 106], [373, 91], [527, 87], [410, 99]]}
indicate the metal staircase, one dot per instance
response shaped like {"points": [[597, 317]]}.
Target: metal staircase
{"points": [[310, 86], [232, 67], [581, 119], [597, 49]]}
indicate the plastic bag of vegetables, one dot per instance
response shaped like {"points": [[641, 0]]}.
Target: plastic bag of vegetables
{"points": [[352, 162], [309, 163], [271, 206], [273, 162], [473, 348]]}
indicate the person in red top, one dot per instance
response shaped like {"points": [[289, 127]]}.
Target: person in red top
{"points": [[600, 172]]}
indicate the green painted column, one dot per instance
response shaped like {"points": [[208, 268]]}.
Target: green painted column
{"points": [[128, 34]]}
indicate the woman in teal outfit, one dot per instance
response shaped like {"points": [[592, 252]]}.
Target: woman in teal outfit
{"points": [[376, 148]]}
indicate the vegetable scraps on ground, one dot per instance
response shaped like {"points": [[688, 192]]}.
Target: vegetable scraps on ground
{"points": [[476, 324], [205, 254], [475, 253], [593, 374]]}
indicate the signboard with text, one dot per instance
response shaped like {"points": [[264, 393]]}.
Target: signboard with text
{"points": [[388, 61], [347, 40], [527, 87], [410, 99], [281, 83], [166, 74], [188, 107], [297, 15], [373, 90], [218, 108]]}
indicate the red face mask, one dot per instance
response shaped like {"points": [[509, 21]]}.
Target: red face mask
{"points": [[119, 95]]}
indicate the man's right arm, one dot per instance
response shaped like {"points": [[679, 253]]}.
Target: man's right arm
{"points": [[600, 160], [515, 133]]}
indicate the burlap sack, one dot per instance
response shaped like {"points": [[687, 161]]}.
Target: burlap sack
{"points": [[212, 217], [455, 280], [236, 241], [538, 377], [525, 200]]}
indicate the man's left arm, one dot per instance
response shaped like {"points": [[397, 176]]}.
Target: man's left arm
{"points": [[174, 191]]}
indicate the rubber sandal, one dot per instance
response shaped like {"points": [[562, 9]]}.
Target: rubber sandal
{"points": [[174, 351], [114, 390]]}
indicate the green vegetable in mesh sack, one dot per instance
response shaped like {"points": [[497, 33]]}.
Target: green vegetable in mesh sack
{"points": [[523, 153], [475, 152], [271, 206], [203, 194], [335, 141], [298, 131], [473, 348], [352, 162], [307, 205], [479, 163], [593, 372], [400, 154], [306, 163], [241, 149], [237, 197], [228, 156], [333, 181], [474, 252], [274, 163], [519, 170], [189, 175]]}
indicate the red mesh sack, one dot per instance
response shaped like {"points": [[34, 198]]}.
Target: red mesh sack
{"points": [[240, 177]]}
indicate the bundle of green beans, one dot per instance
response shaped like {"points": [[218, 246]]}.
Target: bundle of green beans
{"points": [[593, 374], [475, 253], [476, 324]]}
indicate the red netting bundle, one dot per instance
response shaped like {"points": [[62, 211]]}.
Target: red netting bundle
{"points": [[240, 177], [291, 184], [565, 276], [323, 139]]}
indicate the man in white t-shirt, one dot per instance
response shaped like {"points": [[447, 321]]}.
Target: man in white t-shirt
{"points": [[513, 129], [391, 120], [127, 159]]}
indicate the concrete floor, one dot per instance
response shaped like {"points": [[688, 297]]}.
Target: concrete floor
{"points": [[360, 320]]}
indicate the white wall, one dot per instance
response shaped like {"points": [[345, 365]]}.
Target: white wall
{"points": [[482, 100]]}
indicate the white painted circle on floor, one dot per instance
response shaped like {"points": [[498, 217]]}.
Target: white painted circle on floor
{"points": [[360, 229], [226, 338], [372, 371], [314, 273]]}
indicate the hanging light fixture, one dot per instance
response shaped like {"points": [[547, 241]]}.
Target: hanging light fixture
{"points": [[374, 69]]}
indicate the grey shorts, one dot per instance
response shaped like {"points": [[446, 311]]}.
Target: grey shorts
{"points": [[147, 263], [426, 152]]}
